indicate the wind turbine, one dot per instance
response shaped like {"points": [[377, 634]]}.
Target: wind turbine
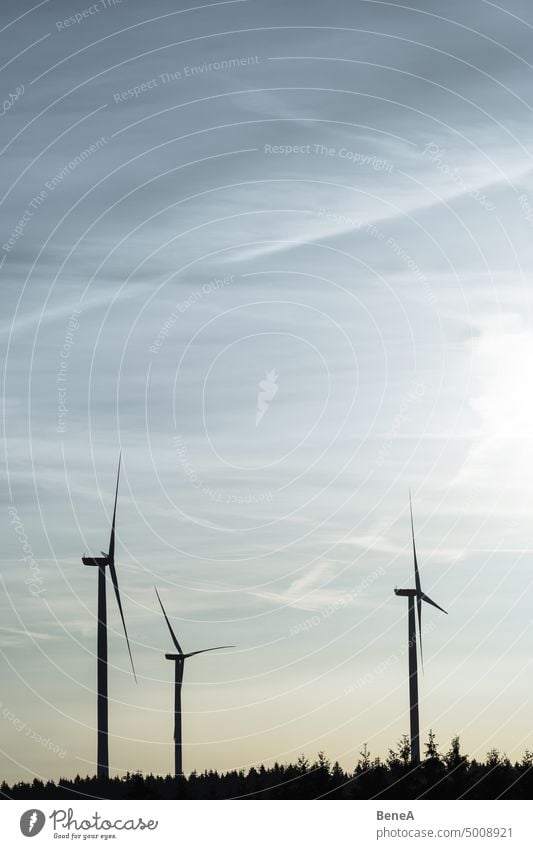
{"points": [[102, 764], [179, 664], [413, 594]]}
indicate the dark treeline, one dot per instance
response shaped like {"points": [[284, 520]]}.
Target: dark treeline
{"points": [[440, 776]]}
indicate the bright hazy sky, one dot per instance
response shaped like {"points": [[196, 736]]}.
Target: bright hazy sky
{"points": [[333, 200]]}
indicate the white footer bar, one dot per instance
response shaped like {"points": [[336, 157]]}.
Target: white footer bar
{"points": [[267, 824]]}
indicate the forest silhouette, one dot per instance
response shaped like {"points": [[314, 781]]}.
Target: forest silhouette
{"points": [[451, 775]]}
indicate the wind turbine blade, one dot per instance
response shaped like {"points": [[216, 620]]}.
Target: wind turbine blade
{"points": [[117, 594], [417, 576], [201, 651], [419, 610], [417, 585], [425, 597], [172, 634], [112, 538]]}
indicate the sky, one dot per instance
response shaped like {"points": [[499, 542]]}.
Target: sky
{"points": [[279, 254]]}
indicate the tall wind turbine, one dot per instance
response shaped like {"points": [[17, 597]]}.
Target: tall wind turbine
{"points": [[413, 594], [102, 764], [179, 663]]}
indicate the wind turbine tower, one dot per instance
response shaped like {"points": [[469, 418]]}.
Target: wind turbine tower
{"points": [[179, 664], [413, 595], [102, 759]]}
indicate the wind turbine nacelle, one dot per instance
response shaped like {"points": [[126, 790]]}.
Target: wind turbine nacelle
{"points": [[405, 592], [175, 656], [95, 561]]}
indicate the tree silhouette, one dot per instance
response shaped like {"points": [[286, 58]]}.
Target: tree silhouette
{"points": [[432, 748], [437, 777]]}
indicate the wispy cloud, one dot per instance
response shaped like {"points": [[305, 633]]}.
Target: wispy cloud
{"points": [[10, 637], [376, 543], [308, 591]]}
